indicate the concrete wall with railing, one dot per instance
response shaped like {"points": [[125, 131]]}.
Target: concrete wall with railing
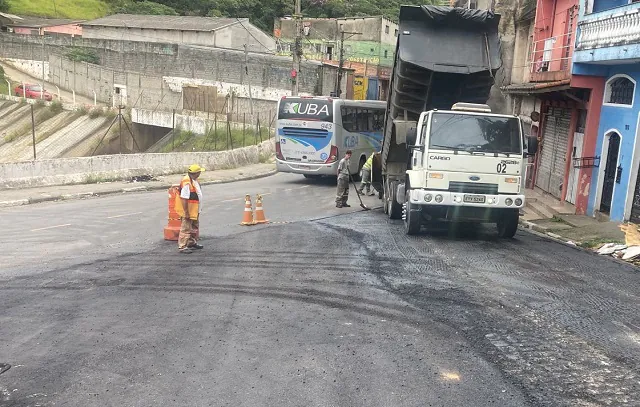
{"points": [[122, 166], [609, 35]]}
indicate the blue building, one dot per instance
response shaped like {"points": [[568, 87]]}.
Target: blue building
{"points": [[608, 48]]}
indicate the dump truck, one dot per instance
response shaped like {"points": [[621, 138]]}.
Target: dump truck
{"points": [[445, 155]]}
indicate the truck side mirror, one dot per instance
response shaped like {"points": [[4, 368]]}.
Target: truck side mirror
{"points": [[412, 137], [532, 146]]}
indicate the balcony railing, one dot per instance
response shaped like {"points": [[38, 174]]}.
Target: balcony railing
{"points": [[607, 29], [551, 58]]}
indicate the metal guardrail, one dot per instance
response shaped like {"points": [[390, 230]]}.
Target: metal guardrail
{"points": [[551, 54]]}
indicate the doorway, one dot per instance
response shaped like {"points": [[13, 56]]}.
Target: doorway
{"points": [[576, 155], [610, 173]]}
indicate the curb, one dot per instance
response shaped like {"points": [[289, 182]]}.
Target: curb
{"points": [[81, 195], [539, 230], [542, 232]]}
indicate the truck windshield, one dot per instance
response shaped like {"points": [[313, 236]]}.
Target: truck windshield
{"points": [[489, 134]]}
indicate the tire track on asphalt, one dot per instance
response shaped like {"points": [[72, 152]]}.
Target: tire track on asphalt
{"points": [[555, 365]]}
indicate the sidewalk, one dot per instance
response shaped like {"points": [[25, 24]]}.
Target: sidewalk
{"points": [[582, 230], [25, 196], [621, 242], [549, 216]]}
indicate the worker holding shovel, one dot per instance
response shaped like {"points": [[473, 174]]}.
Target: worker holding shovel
{"points": [[342, 194]]}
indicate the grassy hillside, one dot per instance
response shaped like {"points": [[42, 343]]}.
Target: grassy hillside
{"points": [[75, 9]]}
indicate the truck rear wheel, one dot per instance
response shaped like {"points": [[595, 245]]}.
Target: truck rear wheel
{"points": [[508, 223], [412, 218], [395, 209]]}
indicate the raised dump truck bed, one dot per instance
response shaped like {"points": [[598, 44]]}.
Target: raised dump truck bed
{"points": [[444, 55]]}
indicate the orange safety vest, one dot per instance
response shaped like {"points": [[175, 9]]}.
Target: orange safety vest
{"points": [[194, 200]]}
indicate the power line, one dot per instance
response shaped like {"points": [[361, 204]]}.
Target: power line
{"points": [[253, 36]]}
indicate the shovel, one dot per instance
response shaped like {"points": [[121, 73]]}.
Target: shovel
{"points": [[358, 193]]}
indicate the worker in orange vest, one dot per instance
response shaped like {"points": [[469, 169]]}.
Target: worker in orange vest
{"points": [[189, 208]]}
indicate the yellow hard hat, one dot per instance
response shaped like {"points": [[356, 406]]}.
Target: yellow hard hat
{"points": [[194, 168]]}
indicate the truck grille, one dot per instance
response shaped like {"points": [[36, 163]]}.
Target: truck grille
{"points": [[473, 188]]}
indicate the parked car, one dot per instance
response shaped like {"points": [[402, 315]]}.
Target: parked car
{"points": [[33, 92]]}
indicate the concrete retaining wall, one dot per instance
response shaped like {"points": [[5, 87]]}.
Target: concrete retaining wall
{"points": [[198, 123], [113, 167], [30, 67]]}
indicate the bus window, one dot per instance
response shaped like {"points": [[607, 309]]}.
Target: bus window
{"points": [[349, 118], [363, 120], [378, 120]]}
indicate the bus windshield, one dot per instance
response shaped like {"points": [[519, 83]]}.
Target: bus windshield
{"points": [[306, 109], [466, 132]]}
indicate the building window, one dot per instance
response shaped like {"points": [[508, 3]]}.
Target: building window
{"points": [[330, 52], [620, 90], [386, 29], [395, 32], [386, 53], [319, 48]]}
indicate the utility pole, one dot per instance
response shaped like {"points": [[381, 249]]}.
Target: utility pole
{"points": [[33, 132], [43, 55], [341, 62], [297, 48], [246, 71]]}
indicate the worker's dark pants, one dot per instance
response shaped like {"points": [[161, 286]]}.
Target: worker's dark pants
{"points": [[342, 193]]}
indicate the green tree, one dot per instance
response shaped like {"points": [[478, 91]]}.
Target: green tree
{"points": [[4, 6], [147, 8], [263, 12]]}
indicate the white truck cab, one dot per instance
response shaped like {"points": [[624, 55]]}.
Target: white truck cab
{"points": [[465, 165]]}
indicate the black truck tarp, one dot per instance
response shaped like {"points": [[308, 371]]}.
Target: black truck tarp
{"points": [[445, 39]]}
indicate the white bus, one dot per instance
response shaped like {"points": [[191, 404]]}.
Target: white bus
{"points": [[313, 133]]}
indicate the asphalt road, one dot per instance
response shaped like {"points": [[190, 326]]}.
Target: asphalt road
{"points": [[335, 308]]}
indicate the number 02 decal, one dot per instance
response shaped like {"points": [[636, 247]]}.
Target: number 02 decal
{"points": [[502, 168]]}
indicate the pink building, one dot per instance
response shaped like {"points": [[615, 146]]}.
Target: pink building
{"points": [[39, 26], [566, 106]]}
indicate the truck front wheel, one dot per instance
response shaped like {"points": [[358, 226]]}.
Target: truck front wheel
{"points": [[508, 223], [412, 218]]}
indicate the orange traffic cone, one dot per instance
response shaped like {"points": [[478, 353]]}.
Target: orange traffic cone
{"points": [[172, 230], [259, 211], [247, 219]]}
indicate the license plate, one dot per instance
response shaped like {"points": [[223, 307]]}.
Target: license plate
{"points": [[304, 167], [474, 198]]}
